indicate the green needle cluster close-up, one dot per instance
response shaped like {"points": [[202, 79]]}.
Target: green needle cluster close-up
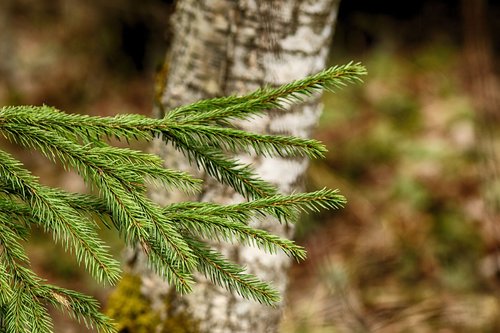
{"points": [[171, 236]]}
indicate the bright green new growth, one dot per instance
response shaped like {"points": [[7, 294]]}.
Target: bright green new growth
{"points": [[171, 235]]}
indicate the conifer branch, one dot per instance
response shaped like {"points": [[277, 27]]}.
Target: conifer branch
{"points": [[216, 228], [56, 216], [231, 276], [77, 305], [284, 207], [236, 141], [227, 171], [229, 108], [92, 129], [170, 236]]}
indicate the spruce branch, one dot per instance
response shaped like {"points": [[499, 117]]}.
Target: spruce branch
{"points": [[172, 236], [92, 129], [55, 215], [231, 276], [227, 171], [129, 165], [122, 187], [5, 287], [218, 229], [77, 305], [23, 307], [284, 207], [140, 222], [245, 107], [236, 141]]}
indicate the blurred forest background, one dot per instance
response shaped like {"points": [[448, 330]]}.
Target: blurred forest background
{"points": [[414, 149]]}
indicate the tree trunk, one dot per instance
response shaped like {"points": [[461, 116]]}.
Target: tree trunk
{"points": [[224, 47]]}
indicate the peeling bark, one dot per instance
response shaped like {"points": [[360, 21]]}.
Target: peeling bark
{"points": [[224, 47]]}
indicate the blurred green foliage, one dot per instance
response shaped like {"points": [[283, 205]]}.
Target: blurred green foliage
{"points": [[409, 245]]}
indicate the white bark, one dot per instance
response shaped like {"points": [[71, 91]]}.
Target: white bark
{"points": [[224, 47]]}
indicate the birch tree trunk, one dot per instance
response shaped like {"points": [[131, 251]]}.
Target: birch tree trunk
{"points": [[224, 47]]}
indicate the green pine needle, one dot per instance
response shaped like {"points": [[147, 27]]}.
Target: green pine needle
{"points": [[245, 107]]}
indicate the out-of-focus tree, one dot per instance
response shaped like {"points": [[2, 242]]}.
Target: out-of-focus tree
{"points": [[225, 47]]}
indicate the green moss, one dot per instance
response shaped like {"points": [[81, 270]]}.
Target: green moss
{"points": [[132, 312], [178, 321]]}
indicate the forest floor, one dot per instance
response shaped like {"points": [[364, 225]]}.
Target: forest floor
{"points": [[411, 251]]}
